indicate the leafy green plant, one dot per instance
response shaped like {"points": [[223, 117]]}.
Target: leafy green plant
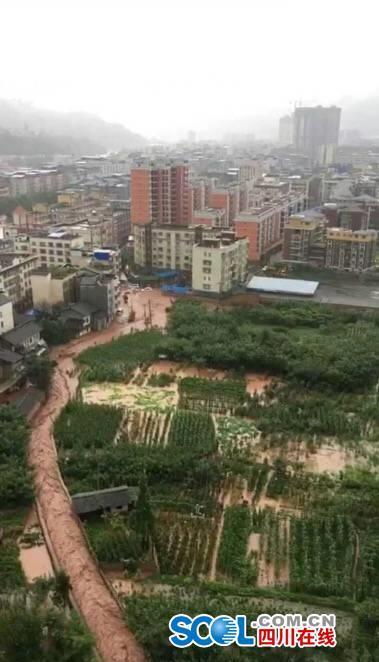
{"points": [[233, 546]]}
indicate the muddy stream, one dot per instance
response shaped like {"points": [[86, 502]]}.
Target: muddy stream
{"points": [[92, 596]]}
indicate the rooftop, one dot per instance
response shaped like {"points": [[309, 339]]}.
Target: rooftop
{"points": [[283, 285], [114, 497], [21, 333], [56, 272], [7, 356]]}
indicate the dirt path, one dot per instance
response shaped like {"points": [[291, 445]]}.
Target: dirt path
{"points": [[63, 533]]}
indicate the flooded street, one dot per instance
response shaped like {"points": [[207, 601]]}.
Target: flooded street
{"points": [[62, 530]]}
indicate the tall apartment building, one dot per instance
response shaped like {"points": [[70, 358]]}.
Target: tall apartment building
{"points": [[349, 250], [15, 273], [285, 130], [304, 238], [4, 187], [316, 132], [201, 191], [219, 264], [160, 195], [228, 199], [261, 226]]}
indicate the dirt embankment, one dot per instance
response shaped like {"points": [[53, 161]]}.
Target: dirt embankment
{"points": [[63, 533]]}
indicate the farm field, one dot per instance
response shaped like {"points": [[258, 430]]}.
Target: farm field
{"points": [[262, 482]]}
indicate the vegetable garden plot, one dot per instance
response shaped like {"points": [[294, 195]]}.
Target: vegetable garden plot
{"points": [[322, 552], [192, 431], [83, 426], [236, 437], [116, 360], [184, 544], [233, 547], [215, 396], [147, 427]]}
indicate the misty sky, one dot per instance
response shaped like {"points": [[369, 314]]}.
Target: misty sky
{"points": [[163, 67]]}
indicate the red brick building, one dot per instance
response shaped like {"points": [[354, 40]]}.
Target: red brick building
{"points": [[160, 194]]}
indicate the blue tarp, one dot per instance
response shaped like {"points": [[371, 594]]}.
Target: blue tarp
{"points": [[165, 274], [175, 289]]}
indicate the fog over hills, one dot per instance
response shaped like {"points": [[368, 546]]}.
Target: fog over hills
{"points": [[51, 131], [362, 115]]}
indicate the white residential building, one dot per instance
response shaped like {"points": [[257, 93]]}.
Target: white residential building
{"points": [[219, 264], [6, 314], [53, 248], [15, 271]]}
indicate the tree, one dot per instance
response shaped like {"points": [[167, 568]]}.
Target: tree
{"points": [[54, 332], [62, 588], [143, 515], [39, 370]]}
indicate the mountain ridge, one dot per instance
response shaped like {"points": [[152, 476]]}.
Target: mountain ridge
{"points": [[82, 131]]}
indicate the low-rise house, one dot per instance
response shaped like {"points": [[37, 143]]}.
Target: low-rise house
{"points": [[12, 369], [23, 339], [77, 317], [114, 499]]}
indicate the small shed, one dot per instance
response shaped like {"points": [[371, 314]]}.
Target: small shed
{"points": [[113, 499]]}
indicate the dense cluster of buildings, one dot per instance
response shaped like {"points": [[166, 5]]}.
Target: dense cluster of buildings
{"points": [[277, 208], [174, 210], [201, 215]]}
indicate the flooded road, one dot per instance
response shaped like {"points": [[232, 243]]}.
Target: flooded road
{"points": [[62, 530]]}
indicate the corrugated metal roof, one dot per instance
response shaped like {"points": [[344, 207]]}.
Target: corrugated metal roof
{"points": [[283, 285], [113, 497]]}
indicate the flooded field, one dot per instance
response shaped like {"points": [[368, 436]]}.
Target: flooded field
{"points": [[327, 457], [131, 395], [180, 370], [34, 557], [256, 383]]}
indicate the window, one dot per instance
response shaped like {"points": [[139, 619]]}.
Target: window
{"points": [[206, 287]]}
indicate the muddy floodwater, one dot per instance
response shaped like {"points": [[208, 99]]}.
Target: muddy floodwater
{"points": [[256, 383], [67, 545], [34, 557]]}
